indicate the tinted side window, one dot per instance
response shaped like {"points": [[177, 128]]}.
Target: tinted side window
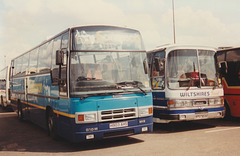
{"points": [[56, 46], [55, 68], [44, 59], [25, 64], [49, 51], [158, 64], [64, 41], [33, 61], [17, 66], [158, 70]]}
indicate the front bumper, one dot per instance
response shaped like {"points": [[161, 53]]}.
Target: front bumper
{"points": [[102, 131], [166, 118]]}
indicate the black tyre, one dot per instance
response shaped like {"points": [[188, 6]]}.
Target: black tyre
{"points": [[227, 111], [51, 125], [2, 102], [20, 112]]}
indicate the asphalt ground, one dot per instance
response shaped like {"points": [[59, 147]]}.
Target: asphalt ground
{"points": [[203, 137]]}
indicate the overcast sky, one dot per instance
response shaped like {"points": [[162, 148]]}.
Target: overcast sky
{"points": [[26, 23]]}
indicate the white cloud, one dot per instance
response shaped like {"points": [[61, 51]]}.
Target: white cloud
{"points": [[86, 11], [27, 23], [202, 27]]}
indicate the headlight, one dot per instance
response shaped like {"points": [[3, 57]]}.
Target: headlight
{"points": [[145, 111], [180, 103], [85, 117], [217, 101], [211, 101], [188, 103], [90, 117]]}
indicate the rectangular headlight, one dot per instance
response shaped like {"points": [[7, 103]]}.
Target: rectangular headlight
{"points": [[179, 103], [211, 101], [145, 111], [85, 117], [216, 101], [188, 103], [90, 117], [183, 103]]}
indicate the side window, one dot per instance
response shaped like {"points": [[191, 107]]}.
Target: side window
{"points": [[49, 52], [25, 64], [158, 64], [56, 46], [17, 66], [55, 68], [33, 61], [44, 59], [64, 41], [63, 82], [158, 70]]}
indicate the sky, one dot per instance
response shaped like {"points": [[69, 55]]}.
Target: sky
{"points": [[26, 23]]}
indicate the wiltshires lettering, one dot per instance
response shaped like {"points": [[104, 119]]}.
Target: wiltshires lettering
{"points": [[194, 94]]}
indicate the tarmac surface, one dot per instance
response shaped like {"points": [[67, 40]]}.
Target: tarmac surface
{"points": [[203, 137]]}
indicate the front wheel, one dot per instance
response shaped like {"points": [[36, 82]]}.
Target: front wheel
{"points": [[51, 125], [2, 102], [227, 111], [20, 112]]}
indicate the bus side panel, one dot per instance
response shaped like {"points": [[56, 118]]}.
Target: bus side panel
{"points": [[41, 91], [159, 99], [232, 96], [234, 104], [63, 117], [18, 93]]}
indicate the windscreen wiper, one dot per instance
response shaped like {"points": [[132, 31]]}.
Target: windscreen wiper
{"points": [[82, 97], [127, 84]]}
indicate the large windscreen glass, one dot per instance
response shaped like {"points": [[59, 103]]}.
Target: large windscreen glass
{"points": [[107, 71], [106, 38], [191, 68]]}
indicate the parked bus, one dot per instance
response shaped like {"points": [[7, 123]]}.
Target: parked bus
{"points": [[4, 87], [229, 65], [86, 83], [185, 84]]}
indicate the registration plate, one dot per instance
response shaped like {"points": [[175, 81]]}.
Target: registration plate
{"points": [[118, 124], [197, 103], [202, 116]]}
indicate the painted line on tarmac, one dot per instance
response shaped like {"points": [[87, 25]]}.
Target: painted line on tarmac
{"points": [[8, 114], [220, 130]]}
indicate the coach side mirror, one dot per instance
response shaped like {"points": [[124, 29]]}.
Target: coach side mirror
{"points": [[59, 57]]}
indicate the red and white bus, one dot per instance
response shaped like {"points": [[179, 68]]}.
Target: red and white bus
{"points": [[228, 60]]}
